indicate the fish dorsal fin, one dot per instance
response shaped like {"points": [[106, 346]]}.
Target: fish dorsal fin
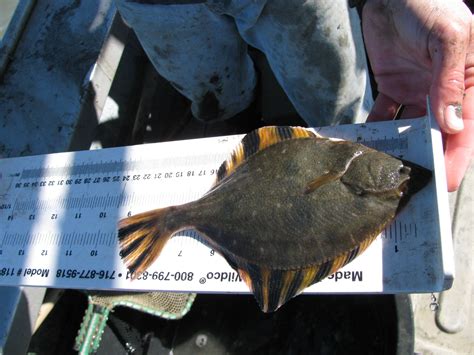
{"points": [[258, 140]]}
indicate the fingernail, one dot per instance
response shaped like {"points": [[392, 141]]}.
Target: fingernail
{"points": [[453, 117]]}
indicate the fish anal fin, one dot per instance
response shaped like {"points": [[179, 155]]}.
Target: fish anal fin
{"points": [[273, 288], [354, 253], [344, 259], [338, 263], [291, 279], [244, 275], [308, 277], [287, 284], [265, 289], [258, 140], [258, 281]]}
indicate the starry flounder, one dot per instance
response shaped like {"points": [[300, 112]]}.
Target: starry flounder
{"points": [[289, 207]]}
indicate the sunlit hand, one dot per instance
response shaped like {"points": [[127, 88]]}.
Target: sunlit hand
{"points": [[425, 47]]}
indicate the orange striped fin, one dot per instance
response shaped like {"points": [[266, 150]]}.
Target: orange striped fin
{"points": [[258, 140], [273, 288]]}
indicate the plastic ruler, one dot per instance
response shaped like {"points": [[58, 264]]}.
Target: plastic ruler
{"points": [[58, 217]]}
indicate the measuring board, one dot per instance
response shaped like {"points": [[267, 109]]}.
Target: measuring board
{"points": [[59, 212]]}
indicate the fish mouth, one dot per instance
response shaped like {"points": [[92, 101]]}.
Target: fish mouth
{"points": [[416, 178]]}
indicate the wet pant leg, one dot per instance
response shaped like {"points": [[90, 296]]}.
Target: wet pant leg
{"points": [[199, 51], [314, 48], [316, 52]]}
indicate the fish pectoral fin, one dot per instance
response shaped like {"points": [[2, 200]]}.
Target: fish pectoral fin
{"points": [[322, 180]]}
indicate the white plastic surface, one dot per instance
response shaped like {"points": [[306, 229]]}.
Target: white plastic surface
{"points": [[58, 216]]}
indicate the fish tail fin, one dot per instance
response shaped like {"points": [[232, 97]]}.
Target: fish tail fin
{"points": [[142, 237]]}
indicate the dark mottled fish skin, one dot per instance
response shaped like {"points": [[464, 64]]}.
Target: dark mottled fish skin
{"points": [[288, 209]]}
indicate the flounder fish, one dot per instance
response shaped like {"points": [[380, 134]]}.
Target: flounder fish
{"points": [[288, 208]]}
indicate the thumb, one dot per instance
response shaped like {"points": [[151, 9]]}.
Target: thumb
{"points": [[448, 53], [460, 147]]}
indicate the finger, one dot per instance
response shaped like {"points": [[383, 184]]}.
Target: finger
{"points": [[384, 109], [459, 147], [448, 47]]}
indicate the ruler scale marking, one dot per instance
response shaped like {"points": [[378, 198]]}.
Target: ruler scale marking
{"points": [[395, 231], [90, 240]]}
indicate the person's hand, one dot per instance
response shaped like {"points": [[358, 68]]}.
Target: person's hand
{"points": [[425, 47]]}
